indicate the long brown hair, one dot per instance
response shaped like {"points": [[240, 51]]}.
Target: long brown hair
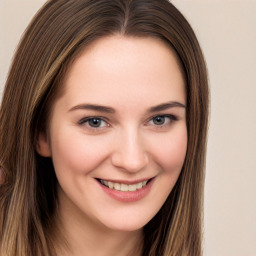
{"points": [[57, 34]]}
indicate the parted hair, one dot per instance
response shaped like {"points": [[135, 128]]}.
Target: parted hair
{"points": [[56, 36]]}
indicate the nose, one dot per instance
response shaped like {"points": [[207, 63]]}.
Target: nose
{"points": [[130, 153]]}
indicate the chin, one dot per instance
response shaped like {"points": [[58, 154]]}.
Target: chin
{"points": [[126, 224]]}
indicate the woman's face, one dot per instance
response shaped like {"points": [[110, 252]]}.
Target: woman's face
{"points": [[118, 135]]}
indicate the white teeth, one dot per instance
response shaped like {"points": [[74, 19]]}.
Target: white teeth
{"points": [[124, 187], [110, 184], [132, 187], [139, 185], [117, 186]]}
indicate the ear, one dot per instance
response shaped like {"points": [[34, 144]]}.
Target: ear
{"points": [[43, 145]]}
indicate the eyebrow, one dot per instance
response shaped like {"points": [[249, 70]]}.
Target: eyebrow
{"points": [[167, 105], [105, 109], [99, 108]]}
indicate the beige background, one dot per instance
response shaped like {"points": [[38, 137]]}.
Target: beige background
{"points": [[227, 32]]}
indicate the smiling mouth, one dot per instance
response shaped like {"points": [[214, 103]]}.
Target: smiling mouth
{"points": [[124, 187]]}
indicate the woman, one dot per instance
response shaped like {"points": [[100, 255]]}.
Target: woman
{"points": [[103, 132]]}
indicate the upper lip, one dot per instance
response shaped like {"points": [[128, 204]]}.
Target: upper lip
{"points": [[128, 182]]}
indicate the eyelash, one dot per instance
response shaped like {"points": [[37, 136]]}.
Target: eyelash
{"points": [[171, 118], [85, 121]]}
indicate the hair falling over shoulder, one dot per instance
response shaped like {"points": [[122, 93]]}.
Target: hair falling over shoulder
{"points": [[57, 34]]}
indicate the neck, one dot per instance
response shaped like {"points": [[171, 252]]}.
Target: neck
{"points": [[81, 236]]}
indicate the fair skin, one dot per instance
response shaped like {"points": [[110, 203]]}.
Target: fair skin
{"points": [[121, 120]]}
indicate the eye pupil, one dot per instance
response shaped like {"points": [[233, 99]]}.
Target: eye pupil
{"points": [[95, 122], [159, 120]]}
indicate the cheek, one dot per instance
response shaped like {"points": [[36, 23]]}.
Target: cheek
{"points": [[76, 153], [171, 151]]}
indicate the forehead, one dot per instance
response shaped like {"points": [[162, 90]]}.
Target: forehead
{"points": [[115, 66], [129, 48]]}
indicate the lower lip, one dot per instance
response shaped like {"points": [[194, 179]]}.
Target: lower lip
{"points": [[130, 196]]}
